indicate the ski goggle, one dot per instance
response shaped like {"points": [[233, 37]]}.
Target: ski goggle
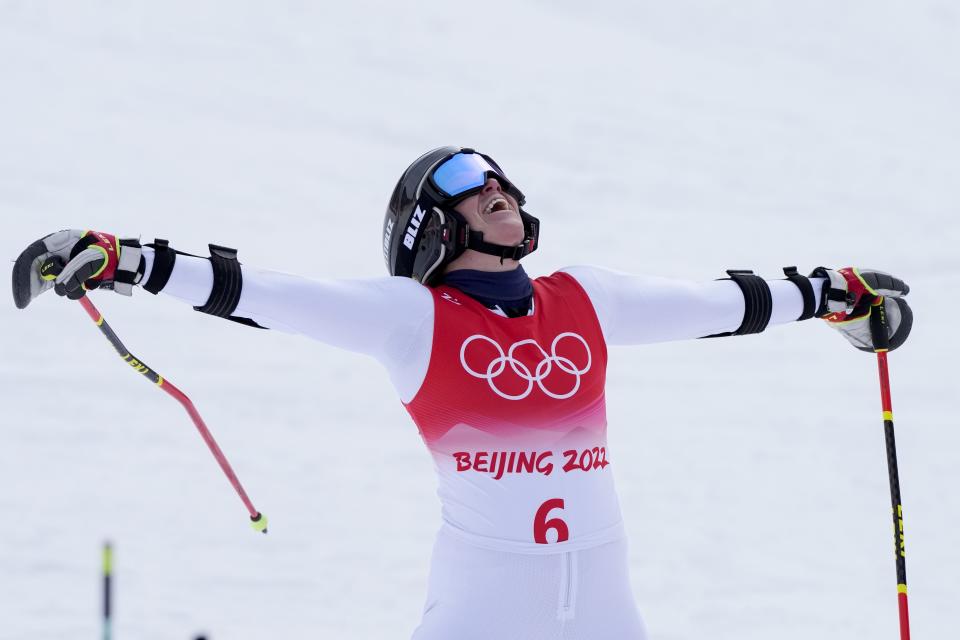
{"points": [[466, 172]]}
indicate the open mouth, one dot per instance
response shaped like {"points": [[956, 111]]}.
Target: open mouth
{"points": [[497, 204]]}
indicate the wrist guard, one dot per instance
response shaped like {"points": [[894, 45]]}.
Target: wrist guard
{"points": [[227, 279], [757, 303]]}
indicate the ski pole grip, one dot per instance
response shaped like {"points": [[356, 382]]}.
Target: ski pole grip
{"points": [[878, 326]]}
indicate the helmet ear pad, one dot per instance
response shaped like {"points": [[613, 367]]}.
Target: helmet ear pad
{"points": [[444, 236], [531, 231], [436, 243]]}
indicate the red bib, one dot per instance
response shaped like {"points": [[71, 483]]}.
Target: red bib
{"points": [[513, 411]]}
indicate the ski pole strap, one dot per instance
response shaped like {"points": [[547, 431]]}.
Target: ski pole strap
{"points": [[806, 290], [163, 260]]}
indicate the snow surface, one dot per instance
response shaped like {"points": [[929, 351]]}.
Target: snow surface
{"points": [[676, 138]]}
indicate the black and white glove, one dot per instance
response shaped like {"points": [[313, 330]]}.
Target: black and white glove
{"points": [[72, 262], [866, 306]]}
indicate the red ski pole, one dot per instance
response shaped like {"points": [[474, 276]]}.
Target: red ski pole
{"points": [[257, 520], [878, 325]]}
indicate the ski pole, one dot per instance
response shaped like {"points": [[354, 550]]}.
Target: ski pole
{"points": [[257, 520], [107, 590], [881, 341]]}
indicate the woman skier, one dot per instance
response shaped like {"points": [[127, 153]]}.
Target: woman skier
{"points": [[503, 375]]}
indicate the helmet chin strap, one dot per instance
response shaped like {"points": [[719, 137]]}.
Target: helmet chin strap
{"points": [[462, 237], [475, 241]]}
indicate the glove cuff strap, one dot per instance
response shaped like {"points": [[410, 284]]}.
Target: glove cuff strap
{"points": [[130, 266], [833, 296]]}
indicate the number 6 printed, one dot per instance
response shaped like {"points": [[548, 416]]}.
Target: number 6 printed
{"points": [[541, 525]]}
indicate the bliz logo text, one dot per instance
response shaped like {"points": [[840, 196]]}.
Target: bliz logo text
{"points": [[411, 236]]}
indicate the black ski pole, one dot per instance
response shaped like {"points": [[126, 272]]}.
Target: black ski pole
{"points": [[107, 591], [878, 326]]}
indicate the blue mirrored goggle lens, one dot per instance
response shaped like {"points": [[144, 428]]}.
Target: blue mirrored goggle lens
{"points": [[462, 172]]}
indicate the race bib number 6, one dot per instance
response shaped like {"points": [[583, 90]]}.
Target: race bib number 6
{"points": [[541, 523]]}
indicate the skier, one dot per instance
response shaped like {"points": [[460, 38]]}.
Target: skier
{"points": [[503, 375]]}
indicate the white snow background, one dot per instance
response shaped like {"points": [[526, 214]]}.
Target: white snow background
{"points": [[671, 138]]}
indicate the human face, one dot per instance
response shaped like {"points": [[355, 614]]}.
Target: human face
{"points": [[494, 213]]}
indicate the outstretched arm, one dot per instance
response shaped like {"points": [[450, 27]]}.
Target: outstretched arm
{"points": [[390, 319], [363, 315], [641, 309], [637, 309]]}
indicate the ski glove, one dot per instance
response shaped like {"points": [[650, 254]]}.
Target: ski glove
{"points": [[852, 297], [72, 262]]}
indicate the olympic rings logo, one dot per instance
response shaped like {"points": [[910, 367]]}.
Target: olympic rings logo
{"points": [[535, 377]]}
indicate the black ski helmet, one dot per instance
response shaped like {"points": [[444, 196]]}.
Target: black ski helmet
{"points": [[422, 231]]}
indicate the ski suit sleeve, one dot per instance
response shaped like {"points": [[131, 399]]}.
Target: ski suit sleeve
{"points": [[642, 309], [388, 318]]}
